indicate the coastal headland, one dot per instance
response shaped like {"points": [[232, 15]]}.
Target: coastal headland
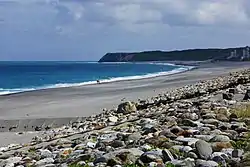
{"points": [[182, 119]]}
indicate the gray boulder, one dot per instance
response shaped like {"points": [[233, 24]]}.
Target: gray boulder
{"points": [[126, 107], [220, 138], [204, 149]]}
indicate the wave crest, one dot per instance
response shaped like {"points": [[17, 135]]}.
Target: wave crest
{"points": [[115, 79]]}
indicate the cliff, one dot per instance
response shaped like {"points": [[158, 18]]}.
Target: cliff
{"points": [[241, 53]]}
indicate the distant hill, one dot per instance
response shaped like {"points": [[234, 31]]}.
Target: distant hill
{"points": [[234, 54]]}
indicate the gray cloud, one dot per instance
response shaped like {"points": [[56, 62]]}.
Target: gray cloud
{"points": [[178, 12], [80, 28]]}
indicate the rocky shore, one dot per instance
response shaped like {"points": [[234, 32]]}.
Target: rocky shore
{"points": [[203, 125]]}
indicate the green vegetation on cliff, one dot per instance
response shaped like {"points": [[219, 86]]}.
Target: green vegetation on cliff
{"points": [[183, 55]]}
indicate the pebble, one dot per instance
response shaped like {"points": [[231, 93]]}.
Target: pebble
{"points": [[113, 119], [44, 161], [203, 163], [220, 138]]}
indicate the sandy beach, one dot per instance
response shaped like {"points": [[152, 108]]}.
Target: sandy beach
{"points": [[56, 107]]}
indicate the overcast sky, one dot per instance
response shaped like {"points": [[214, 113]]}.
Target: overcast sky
{"points": [[87, 29]]}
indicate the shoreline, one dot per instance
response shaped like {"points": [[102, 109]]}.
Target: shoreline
{"points": [[178, 69], [153, 86]]}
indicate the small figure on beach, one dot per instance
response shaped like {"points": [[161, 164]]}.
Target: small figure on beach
{"points": [[98, 81]]}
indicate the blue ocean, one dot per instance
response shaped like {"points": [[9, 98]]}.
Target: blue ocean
{"points": [[26, 76]]}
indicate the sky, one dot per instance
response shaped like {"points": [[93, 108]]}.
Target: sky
{"points": [[87, 29]]}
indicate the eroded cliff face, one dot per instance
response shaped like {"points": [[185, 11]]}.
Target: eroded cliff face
{"points": [[234, 54], [117, 57]]}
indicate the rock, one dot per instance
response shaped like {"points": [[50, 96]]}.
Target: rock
{"points": [[221, 154], [187, 140], [134, 137], [192, 155], [147, 123], [203, 163], [90, 164], [241, 129], [220, 160], [247, 121], [204, 130], [240, 89], [222, 117], [115, 165], [247, 95], [130, 155], [245, 160], [167, 133], [167, 156], [160, 141], [182, 163], [126, 107], [206, 138], [83, 157], [209, 116], [10, 161], [175, 130], [153, 164], [46, 154], [220, 138], [237, 153], [188, 133], [236, 162], [189, 122], [218, 146], [91, 144], [231, 102], [113, 119], [227, 96], [10, 165], [210, 121], [44, 161], [212, 127], [80, 147], [232, 90], [63, 141], [117, 143], [204, 149], [149, 130], [151, 156], [146, 148], [232, 134], [233, 116], [191, 116], [50, 165], [185, 149]]}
